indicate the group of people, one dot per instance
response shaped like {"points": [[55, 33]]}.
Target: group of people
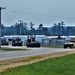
{"points": [[3, 40], [16, 40], [30, 39]]}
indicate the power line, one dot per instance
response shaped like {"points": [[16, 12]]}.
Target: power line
{"points": [[19, 12]]}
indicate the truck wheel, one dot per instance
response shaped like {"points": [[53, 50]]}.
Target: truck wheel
{"points": [[72, 46], [65, 47]]}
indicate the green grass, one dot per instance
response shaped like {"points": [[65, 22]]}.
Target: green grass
{"points": [[57, 66], [11, 49]]}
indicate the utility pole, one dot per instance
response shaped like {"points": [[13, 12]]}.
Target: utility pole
{"points": [[59, 31], [0, 23], [62, 23], [21, 22]]}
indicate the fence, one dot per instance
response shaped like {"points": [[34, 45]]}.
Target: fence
{"points": [[52, 42]]}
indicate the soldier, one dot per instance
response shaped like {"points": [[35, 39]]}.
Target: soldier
{"points": [[33, 39], [28, 40]]}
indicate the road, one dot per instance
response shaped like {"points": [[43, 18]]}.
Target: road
{"points": [[31, 52]]}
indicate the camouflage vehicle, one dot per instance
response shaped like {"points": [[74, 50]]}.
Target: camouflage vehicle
{"points": [[16, 42], [31, 42], [70, 44], [4, 42]]}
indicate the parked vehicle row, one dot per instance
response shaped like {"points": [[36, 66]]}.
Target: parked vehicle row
{"points": [[15, 42], [31, 42]]}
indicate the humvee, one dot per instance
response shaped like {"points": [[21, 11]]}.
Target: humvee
{"points": [[70, 44]]}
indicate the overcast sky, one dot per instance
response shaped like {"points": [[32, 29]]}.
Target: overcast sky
{"points": [[46, 12]]}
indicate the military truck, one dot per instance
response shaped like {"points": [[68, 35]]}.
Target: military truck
{"points": [[31, 42], [70, 44], [4, 42], [16, 41]]}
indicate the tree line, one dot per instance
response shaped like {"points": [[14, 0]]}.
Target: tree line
{"points": [[23, 28]]}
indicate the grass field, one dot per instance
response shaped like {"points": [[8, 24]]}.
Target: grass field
{"points": [[57, 66], [11, 49], [54, 46], [14, 49]]}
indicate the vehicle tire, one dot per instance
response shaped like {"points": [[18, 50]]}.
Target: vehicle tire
{"points": [[33, 45], [72, 46], [65, 46]]}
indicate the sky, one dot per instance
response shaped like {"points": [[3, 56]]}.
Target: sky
{"points": [[46, 12]]}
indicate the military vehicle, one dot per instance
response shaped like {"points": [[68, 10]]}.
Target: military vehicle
{"points": [[70, 44], [4, 42], [31, 42], [16, 41]]}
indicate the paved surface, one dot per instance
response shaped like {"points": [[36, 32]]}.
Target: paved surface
{"points": [[32, 52]]}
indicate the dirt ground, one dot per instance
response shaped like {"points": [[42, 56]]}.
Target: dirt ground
{"points": [[12, 63]]}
